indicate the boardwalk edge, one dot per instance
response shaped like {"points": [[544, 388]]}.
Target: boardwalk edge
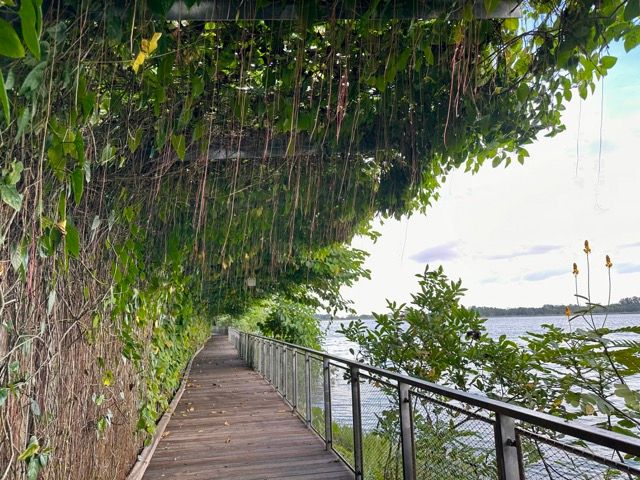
{"points": [[144, 458]]}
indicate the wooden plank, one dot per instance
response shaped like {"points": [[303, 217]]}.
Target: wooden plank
{"points": [[231, 424]]}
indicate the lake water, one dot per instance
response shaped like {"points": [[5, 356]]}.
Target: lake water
{"points": [[374, 401], [512, 327]]}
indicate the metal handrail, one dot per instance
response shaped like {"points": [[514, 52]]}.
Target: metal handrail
{"points": [[505, 415]]}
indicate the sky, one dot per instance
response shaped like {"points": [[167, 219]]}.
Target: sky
{"points": [[512, 234]]}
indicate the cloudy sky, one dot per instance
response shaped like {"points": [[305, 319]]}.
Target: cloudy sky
{"points": [[513, 233]]}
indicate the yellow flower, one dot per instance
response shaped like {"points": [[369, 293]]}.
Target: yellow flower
{"points": [[137, 63], [575, 268], [608, 262], [567, 311], [147, 48], [587, 248]]}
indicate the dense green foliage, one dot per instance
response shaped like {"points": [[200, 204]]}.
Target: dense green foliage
{"points": [[157, 173], [584, 369], [625, 305]]}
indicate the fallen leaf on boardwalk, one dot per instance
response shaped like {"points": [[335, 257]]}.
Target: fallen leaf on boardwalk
{"points": [[166, 433], [226, 424], [200, 431], [228, 440], [190, 409]]}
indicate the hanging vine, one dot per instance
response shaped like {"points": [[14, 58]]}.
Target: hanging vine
{"points": [[157, 172]]}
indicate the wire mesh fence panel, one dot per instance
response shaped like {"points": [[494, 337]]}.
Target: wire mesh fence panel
{"points": [[317, 396], [545, 455], [341, 412], [290, 378], [266, 350], [301, 400], [255, 357], [451, 441], [381, 444]]}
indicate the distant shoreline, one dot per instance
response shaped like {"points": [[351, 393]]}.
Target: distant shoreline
{"points": [[626, 306], [326, 318], [636, 312]]}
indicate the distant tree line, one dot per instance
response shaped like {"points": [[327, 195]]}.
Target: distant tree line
{"points": [[625, 305]]}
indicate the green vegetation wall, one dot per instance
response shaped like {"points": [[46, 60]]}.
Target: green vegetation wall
{"points": [[156, 173]]}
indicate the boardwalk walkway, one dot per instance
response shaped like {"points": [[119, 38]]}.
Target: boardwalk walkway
{"points": [[231, 424]]}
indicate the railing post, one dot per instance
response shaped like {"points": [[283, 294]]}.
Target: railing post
{"points": [[307, 386], [357, 421], [506, 451], [279, 368], [294, 377], [326, 376], [406, 433]]}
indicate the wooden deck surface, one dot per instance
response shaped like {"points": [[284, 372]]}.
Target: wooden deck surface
{"points": [[231, 424]]}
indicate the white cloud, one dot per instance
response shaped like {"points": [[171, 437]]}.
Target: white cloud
{"points": [[512, 234]]}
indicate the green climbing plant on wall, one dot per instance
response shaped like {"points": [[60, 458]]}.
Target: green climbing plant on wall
{"points": [[155, 173]]}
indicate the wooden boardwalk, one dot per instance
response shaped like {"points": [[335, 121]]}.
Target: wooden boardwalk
{"points": [[231, 424]]}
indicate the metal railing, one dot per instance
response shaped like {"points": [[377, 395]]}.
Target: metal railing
{"points": [[385, 425]]}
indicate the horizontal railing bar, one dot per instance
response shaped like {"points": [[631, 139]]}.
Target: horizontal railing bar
{"points": [[475, 415], [372, 379], [606, 438], [337, 365], [624, 467]]}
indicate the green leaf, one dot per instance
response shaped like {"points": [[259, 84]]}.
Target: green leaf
{"points": [[57, 160], [608, 61], [72, 240], [134, 140], [4, 100], [632, 10], [77, 184], [10, 196], [632, 40], [4, 394], [29, 25], [33, 468], [10, 45], [34, 79], [178, 144], [511, 24], [522, 93], [13, 177], [31, 450]]}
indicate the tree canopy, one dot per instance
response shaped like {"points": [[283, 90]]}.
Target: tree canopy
{"points": [[156, 172]]}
